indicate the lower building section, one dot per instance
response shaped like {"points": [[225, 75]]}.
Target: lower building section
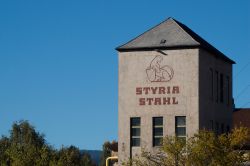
{"points": [[143, 132], [147, 133]]}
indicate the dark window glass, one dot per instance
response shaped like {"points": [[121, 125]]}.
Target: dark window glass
{"points": [[158, 141], [181, 131], [157, 131], [135, 141], [228, 90], [180, 126], [221, 88], [135, 121], [135, 131], [217, 85], [158, 121], [181, 120], [212, 84]]}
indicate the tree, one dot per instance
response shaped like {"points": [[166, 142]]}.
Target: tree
{"points": [[72, 156], [4, 145], [48, 156], [107, 149], [24, 145], [106, 152], [27, 147], [204, 148], [86, 160]]}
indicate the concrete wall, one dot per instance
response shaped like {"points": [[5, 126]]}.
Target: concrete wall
{"points": [[209, 109], [132, 74]]}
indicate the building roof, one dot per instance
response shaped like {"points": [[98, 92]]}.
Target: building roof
{"points": [[170, 34], [241, 116]]}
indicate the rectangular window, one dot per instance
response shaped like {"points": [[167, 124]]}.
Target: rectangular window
{"points": [[157, 131], [212, 84], [180, 126], [217, 85], [221, 88], [135, 131], [228, 90]]}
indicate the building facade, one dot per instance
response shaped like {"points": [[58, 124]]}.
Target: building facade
{"points": [[171, 82], [241, 117]]}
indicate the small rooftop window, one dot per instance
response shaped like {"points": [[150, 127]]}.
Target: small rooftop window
{"points": [[163, 41]]}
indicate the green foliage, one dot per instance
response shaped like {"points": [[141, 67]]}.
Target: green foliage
{"points": [[4, 145], [204, 148], [71, 156], [27, 147], [107, 150], [86, 160], [24, 145], [175, 148]]}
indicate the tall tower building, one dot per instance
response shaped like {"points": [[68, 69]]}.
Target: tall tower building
{"points": [[171, 82]]}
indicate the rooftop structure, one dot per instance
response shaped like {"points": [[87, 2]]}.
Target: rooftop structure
{"points": [[171, 82], [170, 34]]}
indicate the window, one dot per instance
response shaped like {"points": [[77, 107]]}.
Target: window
{"points": [[135, 131], [217, 85], [228, 90], [211, 84], [157, 131], [180, 126], [221, 88]]}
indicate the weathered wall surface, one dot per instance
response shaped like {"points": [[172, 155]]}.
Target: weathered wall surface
{"points": [[133, 75], [212, 110]]}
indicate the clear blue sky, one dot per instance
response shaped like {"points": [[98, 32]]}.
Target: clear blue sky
{"points": [[58, 64]]}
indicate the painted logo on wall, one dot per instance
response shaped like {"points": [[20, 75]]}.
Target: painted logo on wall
{"points": [[156, 72]]}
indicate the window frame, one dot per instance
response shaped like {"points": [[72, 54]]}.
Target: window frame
{"points": [[180, 126], [221, 88], [135, 137], [217, 86], [154, 127], [228, 89], [211, 84]]}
